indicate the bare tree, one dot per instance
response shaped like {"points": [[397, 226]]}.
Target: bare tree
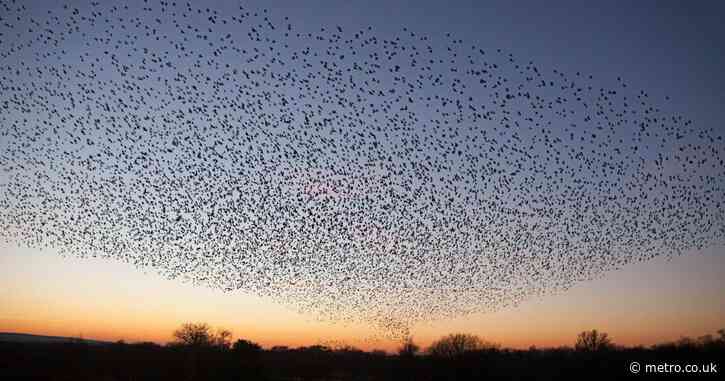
{"points": [[201, 335], [457, 344], [409, 348], [222, 339], [593, 341]]}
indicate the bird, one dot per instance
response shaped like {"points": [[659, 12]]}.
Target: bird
{"points": [[355, 176]]}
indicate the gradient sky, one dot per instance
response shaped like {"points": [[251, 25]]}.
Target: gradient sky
{"points": [[646, 303], [668, 48]]}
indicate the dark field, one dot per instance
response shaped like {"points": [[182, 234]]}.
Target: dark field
{"points": [[246, 361]]}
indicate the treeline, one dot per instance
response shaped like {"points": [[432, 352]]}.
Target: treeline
{"points": [[199, 353]]}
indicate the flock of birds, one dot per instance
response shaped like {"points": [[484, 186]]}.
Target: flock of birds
{"points": [[386, 180]]}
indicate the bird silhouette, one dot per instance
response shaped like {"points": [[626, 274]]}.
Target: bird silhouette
{"points": [[388, 179]]}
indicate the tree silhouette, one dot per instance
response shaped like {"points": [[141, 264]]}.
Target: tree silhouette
{"points": [[593, 341], [246, 347], [455, 345], [201, 335], [455, 357], [222, 339], [378, 353], [409, 348]]}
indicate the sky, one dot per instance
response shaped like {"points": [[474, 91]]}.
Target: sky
{"points": [[668, 48], [643, 304]]}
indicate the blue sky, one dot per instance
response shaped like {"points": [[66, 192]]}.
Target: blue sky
{"points": [[668, 49]]}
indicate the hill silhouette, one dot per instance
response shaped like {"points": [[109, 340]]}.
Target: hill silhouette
{"points": [[14, 337]]}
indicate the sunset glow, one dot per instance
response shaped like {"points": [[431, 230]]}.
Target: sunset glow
{"points": [[112, 301]]}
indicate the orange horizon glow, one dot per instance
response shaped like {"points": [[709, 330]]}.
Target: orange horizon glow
{"points": [[294, 340], [647, 303]]}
